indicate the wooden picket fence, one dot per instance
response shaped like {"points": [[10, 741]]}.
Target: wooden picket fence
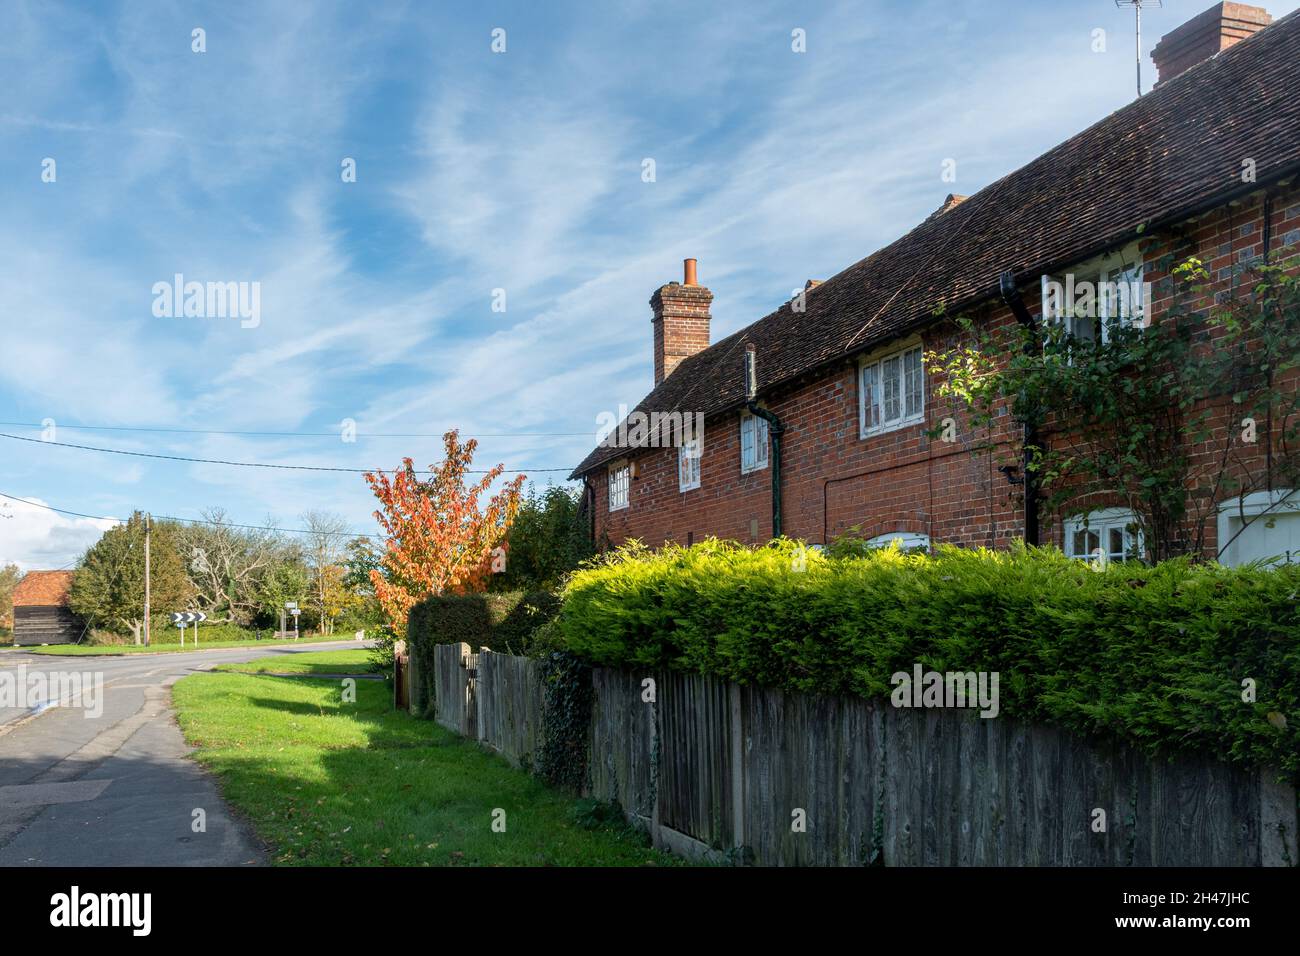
{"points": [[748, 774]]}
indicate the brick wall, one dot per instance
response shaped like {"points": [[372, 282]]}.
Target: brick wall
{"points": [[902, 480]]}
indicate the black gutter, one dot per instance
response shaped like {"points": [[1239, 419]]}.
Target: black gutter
{"points": [[1011, 296]]}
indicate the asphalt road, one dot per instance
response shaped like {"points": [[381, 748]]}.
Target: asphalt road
{"points": [[117, 788]]}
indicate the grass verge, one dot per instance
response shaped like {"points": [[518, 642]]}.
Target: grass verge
{"points": [[110, 650], [330, 783], [314, 662]]}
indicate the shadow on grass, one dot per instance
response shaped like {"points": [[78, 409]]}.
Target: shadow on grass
{"points": [[328, 782]]}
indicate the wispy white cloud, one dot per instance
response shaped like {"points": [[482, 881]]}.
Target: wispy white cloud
{"points": [[36, 538], [476, 172]]}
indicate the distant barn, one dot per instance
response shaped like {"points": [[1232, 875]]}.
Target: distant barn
{"points": [[41, 612]]}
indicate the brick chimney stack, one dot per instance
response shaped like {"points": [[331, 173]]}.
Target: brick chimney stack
{"points": [[1205, 35], [681, 321]]}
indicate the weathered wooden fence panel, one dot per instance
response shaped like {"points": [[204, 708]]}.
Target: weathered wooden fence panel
{"points": [[509, 699], [454, 704], [623, 744], [792, 779], [695, 778], [812, 774]]}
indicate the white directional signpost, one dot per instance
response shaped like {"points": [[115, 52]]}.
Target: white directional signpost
{"points": [[292, 608], [181, 618]]}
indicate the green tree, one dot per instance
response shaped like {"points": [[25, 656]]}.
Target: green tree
{"points": [[361, 556], [108, 586], [287, 580], [549, 538], [10, 575], [323, 553]]}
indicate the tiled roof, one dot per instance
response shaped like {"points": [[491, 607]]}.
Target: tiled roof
{"points": [[43, 589], [1170, 154]]}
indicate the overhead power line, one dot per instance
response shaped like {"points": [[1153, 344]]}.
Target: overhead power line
{"points": [[275, 434], [251, 464], [216, 524]]}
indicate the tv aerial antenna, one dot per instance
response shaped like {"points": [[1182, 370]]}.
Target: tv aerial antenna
{"points": [[1137, 6]]}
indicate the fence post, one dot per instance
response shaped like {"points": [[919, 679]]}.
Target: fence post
{"points": [[469, 721], [737, 769], [1277, 821], [479, 693], [401, 676]]}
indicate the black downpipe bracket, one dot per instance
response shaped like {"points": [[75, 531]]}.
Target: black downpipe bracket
{"points": [[1011, 296]]}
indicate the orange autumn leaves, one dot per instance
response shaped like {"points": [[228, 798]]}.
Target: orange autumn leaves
{"points": [[440, 537]]}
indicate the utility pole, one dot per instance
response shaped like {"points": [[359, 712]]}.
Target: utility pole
{"points": [[147, 520]]}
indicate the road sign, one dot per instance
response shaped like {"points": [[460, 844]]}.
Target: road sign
{"points": [[182, 618], [291, 605]]}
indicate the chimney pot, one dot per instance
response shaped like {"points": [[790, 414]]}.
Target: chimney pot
{"points": [[689, 272]]}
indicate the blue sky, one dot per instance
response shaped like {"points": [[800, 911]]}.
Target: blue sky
{"points": [[476, 171]]}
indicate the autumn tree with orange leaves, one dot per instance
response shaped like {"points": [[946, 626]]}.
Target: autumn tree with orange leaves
{"points": [[440, 540]]}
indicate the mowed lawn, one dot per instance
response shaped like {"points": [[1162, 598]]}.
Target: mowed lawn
{"points": [[314, 662], [330, 783]]}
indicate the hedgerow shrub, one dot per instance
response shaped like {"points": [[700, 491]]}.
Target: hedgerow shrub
{"points": [[506, 622], [1155, 656]]}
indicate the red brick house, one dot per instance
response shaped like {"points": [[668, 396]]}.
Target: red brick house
{"points": [[836, 436], [41, 612]]}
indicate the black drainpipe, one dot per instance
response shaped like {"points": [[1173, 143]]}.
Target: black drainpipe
{"points": [[589, 503], [775, 430], [1011, 296]]}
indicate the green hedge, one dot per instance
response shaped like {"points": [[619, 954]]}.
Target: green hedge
{"points": [[505, 622], [1155, 656]]}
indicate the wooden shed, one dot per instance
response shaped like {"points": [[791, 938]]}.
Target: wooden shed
{"points": [[41, 612]]}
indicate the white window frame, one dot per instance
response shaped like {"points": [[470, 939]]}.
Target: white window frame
{"points": [[1125, 266], [688, 463], [1105, 523], [870, 393], [1280, 501], [620, 485], [754, 439]]}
